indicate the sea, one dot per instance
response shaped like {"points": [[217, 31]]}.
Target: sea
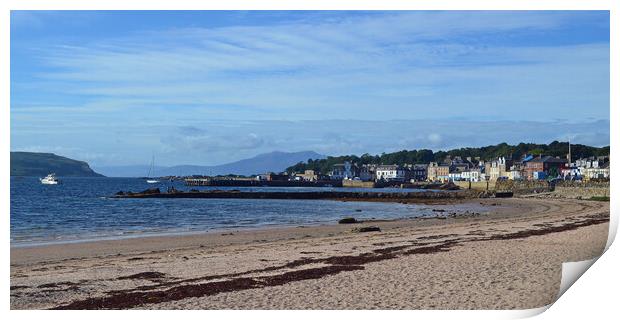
{"points": [[81, 209]]}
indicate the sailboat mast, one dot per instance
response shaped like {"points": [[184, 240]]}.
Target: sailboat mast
{"points": [[151, 167]]}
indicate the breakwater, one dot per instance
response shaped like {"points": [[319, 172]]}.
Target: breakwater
{"points": [[192, 182], [315, 195]]}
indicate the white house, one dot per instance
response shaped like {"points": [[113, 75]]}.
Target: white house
{"points": [[342, 171], [390, 173], [471, 175], [515, 175], [455, 176], [599, 172], [593, 167]]}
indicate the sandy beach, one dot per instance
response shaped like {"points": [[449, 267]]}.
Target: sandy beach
{"points": [[506, 258]]}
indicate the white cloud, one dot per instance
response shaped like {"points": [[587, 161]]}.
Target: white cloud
{"points": [[434, 138]]}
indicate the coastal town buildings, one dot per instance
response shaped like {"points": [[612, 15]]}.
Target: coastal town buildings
{"points": [[455, 168]]}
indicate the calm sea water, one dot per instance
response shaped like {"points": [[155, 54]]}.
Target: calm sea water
{"points": [[79, 209]]}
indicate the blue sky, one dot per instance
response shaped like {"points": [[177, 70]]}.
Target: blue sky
{"points": [[212, 87]]}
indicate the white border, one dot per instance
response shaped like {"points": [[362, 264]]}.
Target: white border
{"points": [[587, 293]]}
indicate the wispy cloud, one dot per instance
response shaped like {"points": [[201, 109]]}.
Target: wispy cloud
{"points": [[159, 85]]}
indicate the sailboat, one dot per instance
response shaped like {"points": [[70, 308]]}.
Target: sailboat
{"points": [[150, 179]]}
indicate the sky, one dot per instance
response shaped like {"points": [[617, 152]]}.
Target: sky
{"points": [[211, 87]]}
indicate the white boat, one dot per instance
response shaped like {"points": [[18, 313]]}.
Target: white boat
{"points": [[50, 179], [149, 179]]}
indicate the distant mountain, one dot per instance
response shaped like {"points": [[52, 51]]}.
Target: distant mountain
{"points": [[41, 164], [275, 161]]}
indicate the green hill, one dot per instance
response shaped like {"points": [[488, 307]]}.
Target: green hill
{"points": [[41, 164]]}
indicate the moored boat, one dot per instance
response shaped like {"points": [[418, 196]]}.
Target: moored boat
{"points": [[49, 179], [150, 179]]}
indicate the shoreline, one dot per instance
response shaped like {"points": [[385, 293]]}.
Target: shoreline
{"points": [[182, 239], [514, 252], [234, 228]]}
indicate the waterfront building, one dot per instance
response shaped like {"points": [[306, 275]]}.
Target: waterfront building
{"points": [[572, 173], [455, 176], [550, 166], [592, 162], [599, 172], [343, 171], [309, 175], [390, 173], [438, 172], [497, 168], [458, 164], [418, 172], [367, 172], [514, 174], [270, 176], [473, 175]]}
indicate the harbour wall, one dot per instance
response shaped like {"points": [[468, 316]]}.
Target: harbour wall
{"points": [[358, 184], [479, 185], [523, 186], [562, 189], [581, 189]]}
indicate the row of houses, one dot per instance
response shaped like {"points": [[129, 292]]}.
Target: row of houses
{"points": [[468, 169], [588, 168]]}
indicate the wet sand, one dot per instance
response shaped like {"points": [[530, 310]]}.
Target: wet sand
{"points": [[509, 258]]}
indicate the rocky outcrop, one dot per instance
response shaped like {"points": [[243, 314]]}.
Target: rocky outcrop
{"points": [[367, 229], [347, 220]]}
